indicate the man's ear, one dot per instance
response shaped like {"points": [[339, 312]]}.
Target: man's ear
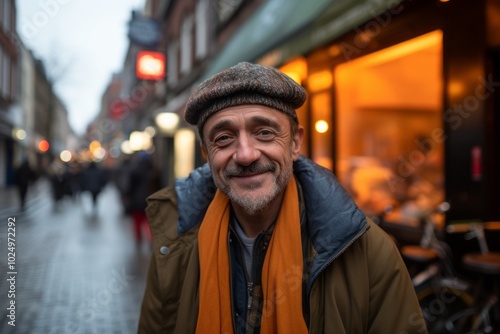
{"points": [[297, 142]]}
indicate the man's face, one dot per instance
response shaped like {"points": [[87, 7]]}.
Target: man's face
{"points": [[251, 151]]}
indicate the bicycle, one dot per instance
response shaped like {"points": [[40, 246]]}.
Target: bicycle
{"points": [[481, 316], [446, 300]]}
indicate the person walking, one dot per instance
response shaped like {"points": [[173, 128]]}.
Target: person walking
{"points": [[261, 239], [92, 180], [24, 175], [143, 181]]}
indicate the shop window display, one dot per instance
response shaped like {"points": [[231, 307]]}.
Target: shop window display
{"points": [[389, 129]]}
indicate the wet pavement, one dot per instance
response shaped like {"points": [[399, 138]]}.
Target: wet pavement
{"points": [[76, 270]]}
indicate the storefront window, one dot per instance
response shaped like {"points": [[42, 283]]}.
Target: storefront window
{"points": [[321, 135], [297, 70], [389, 128], [320, 85]]}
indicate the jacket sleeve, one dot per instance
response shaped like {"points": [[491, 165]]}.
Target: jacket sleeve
{"points": [[394, 306], [150, 320]]}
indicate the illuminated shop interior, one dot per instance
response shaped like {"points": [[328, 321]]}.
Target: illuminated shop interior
{"points": [[389, 136]]}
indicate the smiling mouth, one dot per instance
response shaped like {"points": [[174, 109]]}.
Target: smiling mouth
{"points": [[249, 181], [248, 175], [250, 171], [253, 177]]}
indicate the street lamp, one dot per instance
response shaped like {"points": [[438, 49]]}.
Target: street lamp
{"points": [[167, 122]]}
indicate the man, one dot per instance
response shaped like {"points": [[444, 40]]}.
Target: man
{"points": [[277, 245]]}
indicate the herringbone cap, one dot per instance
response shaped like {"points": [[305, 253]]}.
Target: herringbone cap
{"points": [[245, 83]]}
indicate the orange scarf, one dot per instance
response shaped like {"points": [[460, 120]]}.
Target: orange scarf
{"points": [[281, 271]]}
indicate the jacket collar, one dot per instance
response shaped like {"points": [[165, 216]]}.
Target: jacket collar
{"points": [[194, 194], [334, 220]]}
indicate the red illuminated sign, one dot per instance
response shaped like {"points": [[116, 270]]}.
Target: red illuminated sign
{"points": [[150, 65]]}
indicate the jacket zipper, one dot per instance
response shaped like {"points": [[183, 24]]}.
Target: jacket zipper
{"points": [[252, 276], [250, 286]]}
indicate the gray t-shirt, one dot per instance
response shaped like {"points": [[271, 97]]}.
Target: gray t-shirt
{"points": [[247, 246]]}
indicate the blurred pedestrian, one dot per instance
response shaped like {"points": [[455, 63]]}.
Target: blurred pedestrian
{"points": [[24, 175], [143, 181], [92, 180], [60, 179], [121, 178], [75, 170]]}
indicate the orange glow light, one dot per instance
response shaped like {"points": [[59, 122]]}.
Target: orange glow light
{"points": [[150, 65], [296, 69], [319, 81], [43, 145]]}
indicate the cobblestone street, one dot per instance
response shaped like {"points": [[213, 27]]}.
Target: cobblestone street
{"points": [[76, 271]]}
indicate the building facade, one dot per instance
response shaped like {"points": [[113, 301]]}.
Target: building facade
{"points": [[30, 111], [9, 89]]}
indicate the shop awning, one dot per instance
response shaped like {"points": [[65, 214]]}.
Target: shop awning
{"points": [[294, 27], [273, 22], [336, 20]]}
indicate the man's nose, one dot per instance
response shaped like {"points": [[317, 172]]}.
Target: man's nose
{"points": [[246, 151]]}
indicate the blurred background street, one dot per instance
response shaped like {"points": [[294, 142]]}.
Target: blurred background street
{"points": [[78, 269]]}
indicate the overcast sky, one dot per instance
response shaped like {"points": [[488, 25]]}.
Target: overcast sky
{"points": [[82, 42]]}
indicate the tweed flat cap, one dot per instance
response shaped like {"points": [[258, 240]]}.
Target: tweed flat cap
{"points": [[241, 84]]}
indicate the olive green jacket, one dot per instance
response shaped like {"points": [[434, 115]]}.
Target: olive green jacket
{"points": [[357, 282]]}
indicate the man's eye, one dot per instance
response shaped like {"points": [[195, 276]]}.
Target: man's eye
{"points": [[222, 139], [265, 133]]}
